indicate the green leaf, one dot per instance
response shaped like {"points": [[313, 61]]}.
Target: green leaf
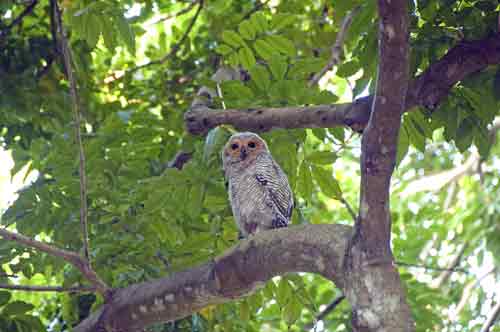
{"points": [[403, 144], [108, 33], [465, 134], [291, 312], [284, 292], [259, 21], [328, 184], [278, 66], [126, 33], [415, 135], [244, 311], [264, 49], [482, 141], [282, 44], [93, 29], [282, 20], [32, 323], [4, 297], [348, 69], [322, 157], [260, 76], [223, 49], [234, 60], [236, 89], [246, 57], [338, 133], [496, 84], [247, 30], [232, 38], [17, 308], [269, 289], [305, 183]]}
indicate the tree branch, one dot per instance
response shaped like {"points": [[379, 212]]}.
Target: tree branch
{"points": [[179, 13], [5, 31], [432, 268], [373, 286], [175, 48], [467, 292], [76, 289], [336, 48], [73, 258], [66, 52], [437, 181], [492, 317], [427, 89], [446, 273], [329, 308], [306, 248]]}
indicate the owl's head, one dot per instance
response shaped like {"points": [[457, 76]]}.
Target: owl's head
{"points": [[243, 148]]}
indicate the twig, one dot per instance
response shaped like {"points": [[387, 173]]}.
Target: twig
{"points": [[73, 258], [467, 292], [329, 308], [455, 261], [18, 19], [336, 48], [180, 159], [255, 9], [492, 317], [6, 275], [433, 268], [179, 13], [76, 289], [439, 180], [349, 208], [174, 48], [66, 52], [53, 33]]}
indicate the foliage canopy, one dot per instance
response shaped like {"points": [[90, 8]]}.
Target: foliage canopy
{"points": [[139, 64]]}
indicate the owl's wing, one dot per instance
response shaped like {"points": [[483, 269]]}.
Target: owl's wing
{"points": [[275, 183]]}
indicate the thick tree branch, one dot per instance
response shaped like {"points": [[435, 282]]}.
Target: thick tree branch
{"points": [[336, 48], [66, 52], [241, 270], [373, 286], [427, 89], [73, 258], [76, 289]]}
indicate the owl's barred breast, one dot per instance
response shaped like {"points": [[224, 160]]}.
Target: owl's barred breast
{"points": [[251, 207], [259, 192]]}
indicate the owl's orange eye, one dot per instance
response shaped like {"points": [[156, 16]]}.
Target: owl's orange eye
{"points": [[251, 145], [234, 146]]}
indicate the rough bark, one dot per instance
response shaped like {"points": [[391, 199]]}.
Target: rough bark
{"points": [[242, 269], [373, 286], [427, 90]]}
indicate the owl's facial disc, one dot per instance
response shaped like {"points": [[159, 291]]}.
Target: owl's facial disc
{"points": [[243, 153], [244, 148]]}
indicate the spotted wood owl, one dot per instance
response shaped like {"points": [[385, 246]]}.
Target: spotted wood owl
{"points": [[258, 189]]}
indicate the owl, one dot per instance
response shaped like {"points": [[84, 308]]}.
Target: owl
{"points": [[258, 189]]}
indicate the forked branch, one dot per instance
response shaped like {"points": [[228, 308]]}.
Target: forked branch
{"points": [[73, 258]]}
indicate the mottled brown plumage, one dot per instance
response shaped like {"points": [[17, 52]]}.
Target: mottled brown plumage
{"points": [[258, 189]]}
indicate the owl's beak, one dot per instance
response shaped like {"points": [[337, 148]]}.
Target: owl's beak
{"points": [[243, 153]]}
